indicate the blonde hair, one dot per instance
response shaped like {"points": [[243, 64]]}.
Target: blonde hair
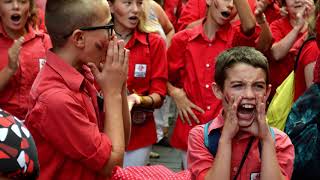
{"points": [[144, 22]]}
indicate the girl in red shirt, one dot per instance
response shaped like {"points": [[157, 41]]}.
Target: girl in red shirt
{"points": [[20, 67], [147, 76]]}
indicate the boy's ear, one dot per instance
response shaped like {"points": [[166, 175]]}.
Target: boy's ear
{"points": [[78, 38], [217, 91], [268, 91]]}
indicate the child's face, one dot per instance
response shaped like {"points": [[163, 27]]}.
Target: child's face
{"points": [[221, 11], [126, 13], [14, 14], [250, 83], [294, 6]]}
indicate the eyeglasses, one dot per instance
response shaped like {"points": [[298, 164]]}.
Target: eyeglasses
{"points": [[108, 27]]}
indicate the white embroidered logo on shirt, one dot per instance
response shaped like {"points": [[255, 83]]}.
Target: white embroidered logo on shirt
{"points": [[140, 70], [255, 176], [42, 62]]}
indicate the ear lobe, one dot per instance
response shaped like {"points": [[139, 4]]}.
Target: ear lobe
{"points": [[78, 38], [217, 91]]}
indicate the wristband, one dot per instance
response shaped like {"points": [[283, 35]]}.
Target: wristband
{"points": [[263, 19], [152, 100]]}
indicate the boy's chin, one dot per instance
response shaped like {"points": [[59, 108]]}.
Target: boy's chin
{"points": [[245, 123]]}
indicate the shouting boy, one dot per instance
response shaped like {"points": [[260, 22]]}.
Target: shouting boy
{"points": [[239, 143]]}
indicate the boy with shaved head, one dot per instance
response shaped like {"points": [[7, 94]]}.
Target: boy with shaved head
{"points": [[74, 139]]}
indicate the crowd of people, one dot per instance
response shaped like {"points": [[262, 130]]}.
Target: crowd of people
{"points": [[86, 87]]}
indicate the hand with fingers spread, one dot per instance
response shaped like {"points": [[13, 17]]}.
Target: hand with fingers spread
{"points": [[263, 128], [231, 125], [13, 55], [112, 75], [261, 6], [185, 106]]}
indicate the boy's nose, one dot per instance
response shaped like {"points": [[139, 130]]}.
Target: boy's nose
{"points": [[249, 93], [15, 5]]}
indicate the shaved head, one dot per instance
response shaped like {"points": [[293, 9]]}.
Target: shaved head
{"points": [[65, 16]]}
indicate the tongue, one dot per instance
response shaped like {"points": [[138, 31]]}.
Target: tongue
{"points": [[245, 115]]}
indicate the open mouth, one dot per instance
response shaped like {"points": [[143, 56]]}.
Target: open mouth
{"points": [[246, 111], [133, 18], [225, 14], [15, 18]]}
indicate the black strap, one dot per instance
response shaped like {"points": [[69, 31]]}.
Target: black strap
{"points": [[300, 50], [244, 157]]}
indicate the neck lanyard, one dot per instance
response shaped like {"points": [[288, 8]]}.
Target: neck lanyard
{"points": [[244, 157]]}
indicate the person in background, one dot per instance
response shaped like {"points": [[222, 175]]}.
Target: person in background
{"points": [[75, 139], [147, 76], [240, 143], [286, 33], [22, 54]]}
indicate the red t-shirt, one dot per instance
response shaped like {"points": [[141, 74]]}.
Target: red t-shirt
{"points": [[15, 95], [147, 74], [64, 124], [280, 69], [191, 59], [200, 160], [309, 54]]}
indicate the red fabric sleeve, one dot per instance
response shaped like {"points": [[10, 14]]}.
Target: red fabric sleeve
{"points": [[75, 135], [276, 30], [284, 152], [193, 10], [176, 57], [199, 158], [240, 39], [159, 65]]}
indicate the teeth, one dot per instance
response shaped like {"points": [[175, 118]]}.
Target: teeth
{"points": [[248, 106]]}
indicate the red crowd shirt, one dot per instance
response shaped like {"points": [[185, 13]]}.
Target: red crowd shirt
{"points": [[280, 69], [309, 54], [196, 9], [15, 95], [147, 74], [200, 160], [191, 59], [64, 124]]}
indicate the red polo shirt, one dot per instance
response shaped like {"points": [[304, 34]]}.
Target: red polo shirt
{"points": [[196, 9], [279, 70], [191, 59], [14, 97], [63, 122], [147, 74], [309, 54], [200, 160]]}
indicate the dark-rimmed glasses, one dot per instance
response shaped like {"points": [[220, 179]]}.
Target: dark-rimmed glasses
{"points": [[108, 27]]}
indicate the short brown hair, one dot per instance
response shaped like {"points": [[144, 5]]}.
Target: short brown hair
{"points": [[65, 16], [240, 54]]}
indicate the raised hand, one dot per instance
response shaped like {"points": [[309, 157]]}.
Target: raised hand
{"points": [[185, 106], [300, 19], [231, 125], [13, 54], [112, 75]]}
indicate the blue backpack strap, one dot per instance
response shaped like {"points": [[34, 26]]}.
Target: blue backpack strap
{"points": [[273, 137], [211, 139]]}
